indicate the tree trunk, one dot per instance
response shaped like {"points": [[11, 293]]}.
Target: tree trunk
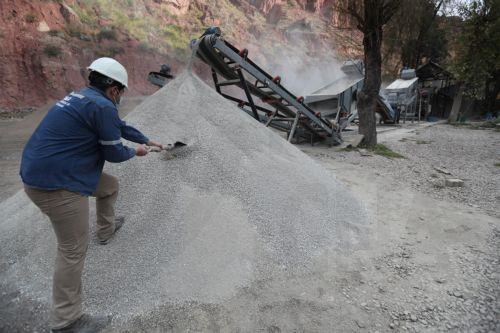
{"points": [[491, 95], [368, 96], [457, 103]]}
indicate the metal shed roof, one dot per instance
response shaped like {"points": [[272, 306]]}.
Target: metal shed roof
{"points": [[401, 84], [335, 88], [433, 71]]}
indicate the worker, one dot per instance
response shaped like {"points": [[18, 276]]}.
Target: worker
{"points": [[62, 166]]}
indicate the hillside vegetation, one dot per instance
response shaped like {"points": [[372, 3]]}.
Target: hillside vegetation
{"points": [[48, 44]]}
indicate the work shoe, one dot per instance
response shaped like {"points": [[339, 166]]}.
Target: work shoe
{"points": [[118, 224], [85, 324]]}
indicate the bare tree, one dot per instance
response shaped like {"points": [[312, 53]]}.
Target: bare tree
{"points": [[371, 16]]}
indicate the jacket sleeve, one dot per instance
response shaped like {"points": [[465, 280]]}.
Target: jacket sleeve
{"points": [[109, 126], [132, 134]]}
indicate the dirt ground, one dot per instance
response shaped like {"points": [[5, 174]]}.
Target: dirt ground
{"points": [[434, 254], [432, 262]]}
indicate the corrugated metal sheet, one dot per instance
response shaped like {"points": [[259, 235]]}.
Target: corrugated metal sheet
{"points": [[335, 88], [401, 84]]}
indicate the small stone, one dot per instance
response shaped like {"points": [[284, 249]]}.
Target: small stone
{"points": [[442, 170], [413, 318], [438, 183], [363, 304], [454, 182], [364, 152], [440, 280], [392, 325], [43, 26], [355, 140]]}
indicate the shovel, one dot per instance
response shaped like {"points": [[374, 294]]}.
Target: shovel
{"points": [[176, 145], [169, 149]]}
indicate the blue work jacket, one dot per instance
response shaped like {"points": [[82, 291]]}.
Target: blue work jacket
{"points": [[69, 147]]}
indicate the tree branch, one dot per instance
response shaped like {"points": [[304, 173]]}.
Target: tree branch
{"points": [[352, 9], [389, 9]]}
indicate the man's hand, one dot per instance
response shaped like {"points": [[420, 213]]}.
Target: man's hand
{"points": [[155, 144], [141, 150]]}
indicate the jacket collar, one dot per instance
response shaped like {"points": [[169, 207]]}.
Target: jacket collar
{"points": [[102, 93]]}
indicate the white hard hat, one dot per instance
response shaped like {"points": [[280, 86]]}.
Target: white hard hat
{"points": [[111, 68]]}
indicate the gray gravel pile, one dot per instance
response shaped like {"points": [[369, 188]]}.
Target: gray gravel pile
{"points": [[238, 205]]}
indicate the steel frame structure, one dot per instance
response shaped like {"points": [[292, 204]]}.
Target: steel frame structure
{"points": [[232, 67]]}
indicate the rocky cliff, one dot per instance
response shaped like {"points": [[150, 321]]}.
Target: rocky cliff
{"points": [[46, 45]]}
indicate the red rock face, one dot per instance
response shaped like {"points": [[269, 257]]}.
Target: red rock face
{"points": [[267, 5], [43, 57], [273, 9], [38, 62], [20, 66], [177, 7]]}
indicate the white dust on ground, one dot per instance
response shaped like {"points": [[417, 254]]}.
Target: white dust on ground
{"points": [[237, 205]]}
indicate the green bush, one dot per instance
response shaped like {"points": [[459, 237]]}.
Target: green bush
{"points": [[52, 51], [107, 33], [145, 47], [114, 50], [177, 39], [30, 17], [110, 52], [74, 30]]}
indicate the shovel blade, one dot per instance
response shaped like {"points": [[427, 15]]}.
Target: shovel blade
{"points": [[175, 146], [178, 144]]}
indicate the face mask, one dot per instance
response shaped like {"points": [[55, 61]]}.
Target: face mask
{"points": [[118, 99]]}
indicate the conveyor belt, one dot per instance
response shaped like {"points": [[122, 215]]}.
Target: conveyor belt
{"points": [[283, 110]]}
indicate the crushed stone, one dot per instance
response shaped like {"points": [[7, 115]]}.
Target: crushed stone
{"points": [[236, 206]]}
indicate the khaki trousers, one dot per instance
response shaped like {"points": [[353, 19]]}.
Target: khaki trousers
{"points": [[69, 216]]}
